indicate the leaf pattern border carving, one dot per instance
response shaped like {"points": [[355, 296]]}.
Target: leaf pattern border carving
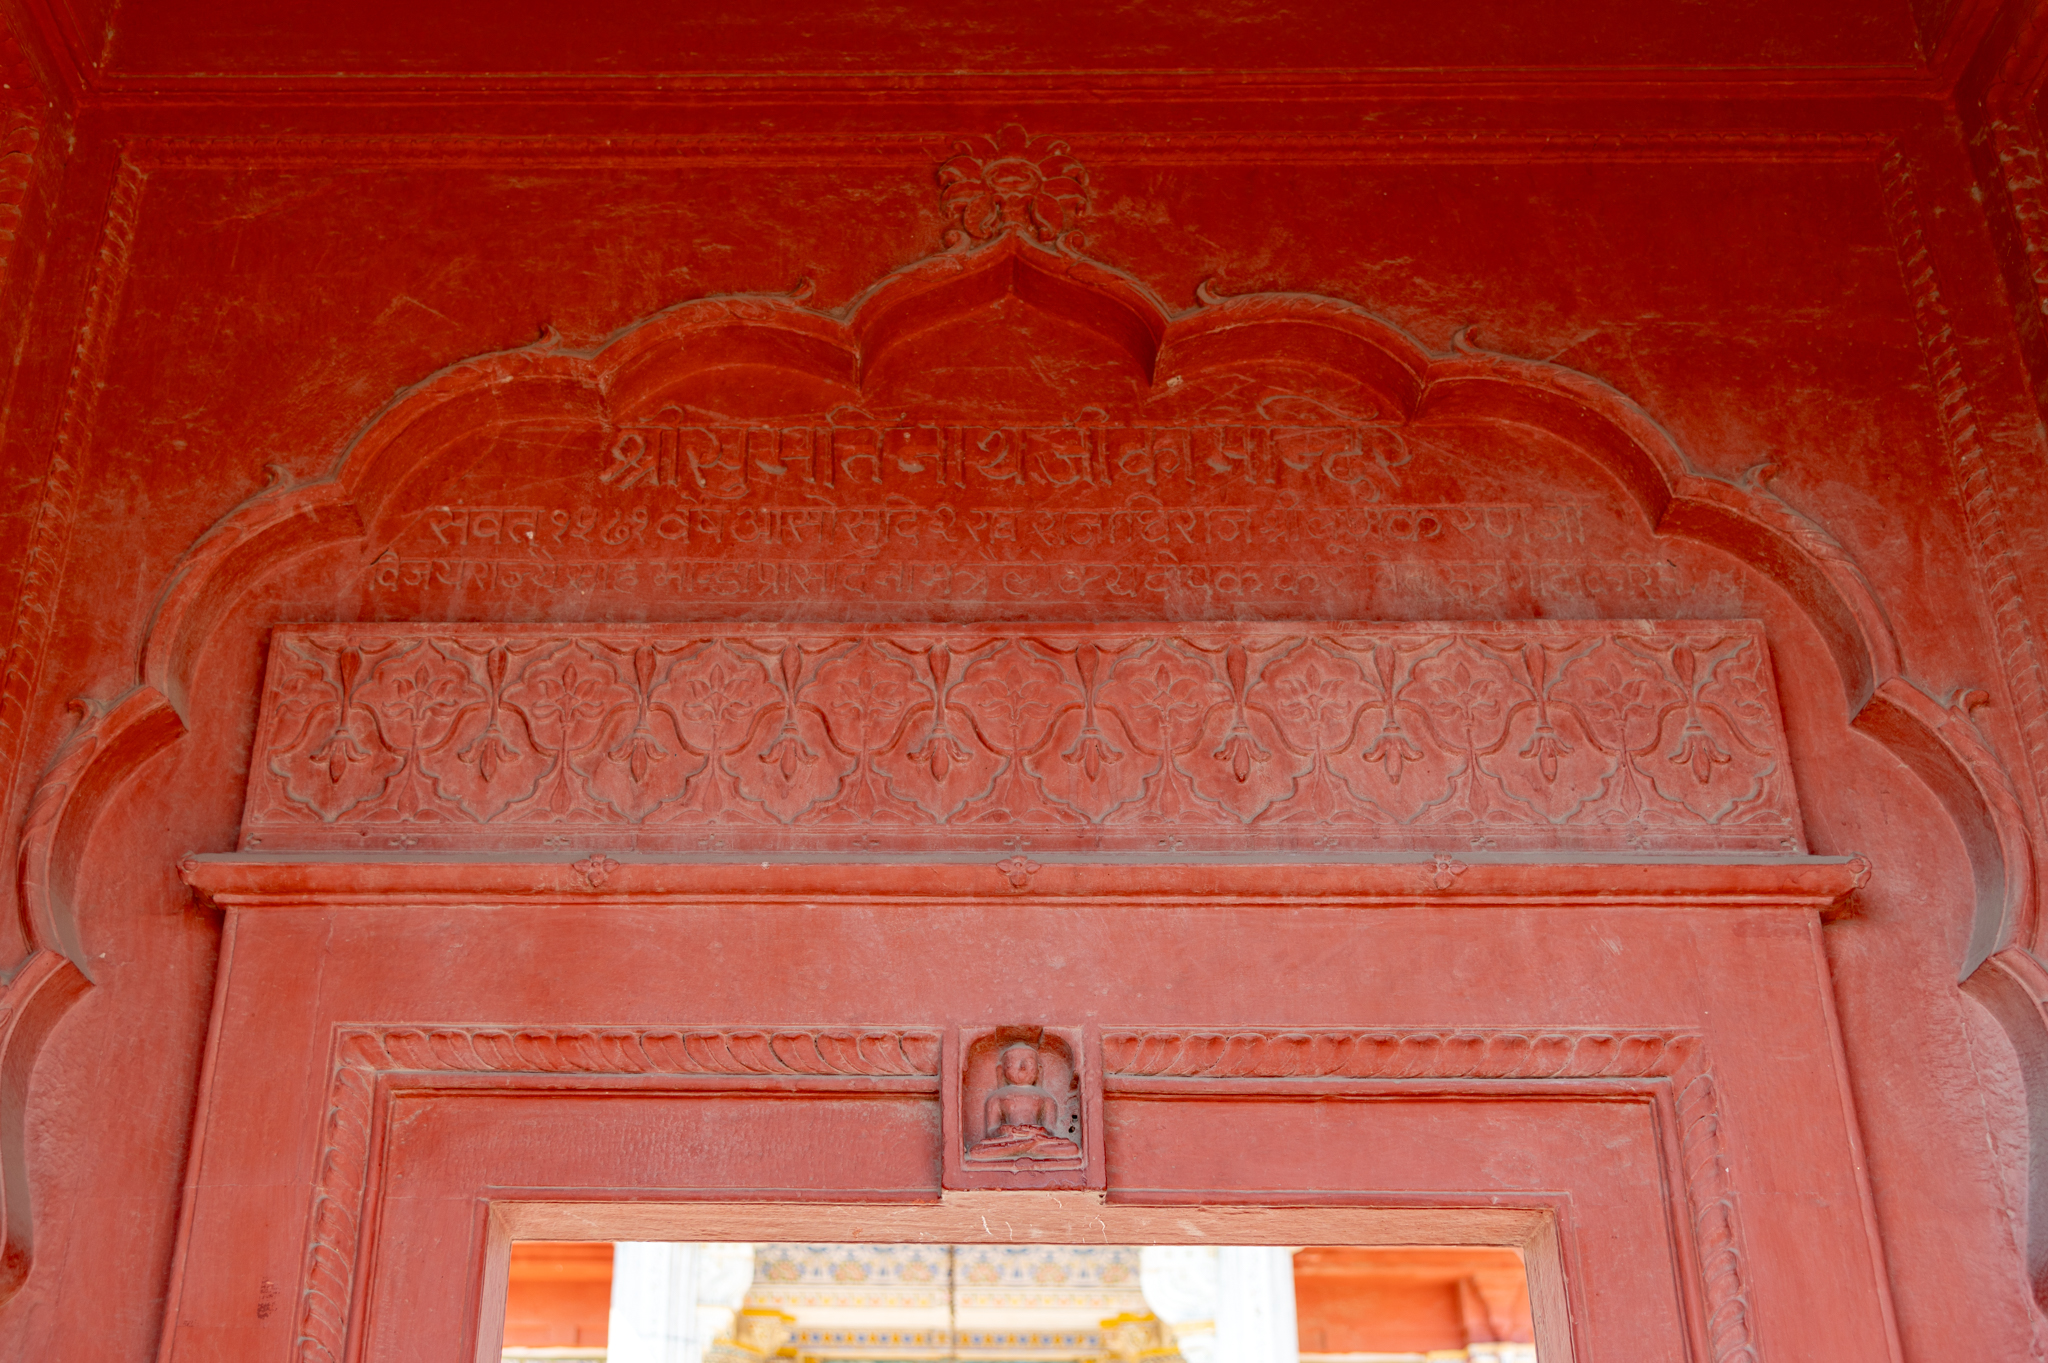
{"points": [[1660, 736]]}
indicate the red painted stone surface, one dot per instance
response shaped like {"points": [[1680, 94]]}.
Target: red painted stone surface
{"points": [[1409, 1300], [558, 1292], [1275, 323], [1213, 738], [1624, 1136]]}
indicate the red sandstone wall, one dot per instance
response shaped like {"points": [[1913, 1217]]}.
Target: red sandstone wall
{"points": [[221, 298], [1393, 1301], [560, 1293]]}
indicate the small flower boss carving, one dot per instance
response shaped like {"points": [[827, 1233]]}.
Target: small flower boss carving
{"points": [[1012, 182]]}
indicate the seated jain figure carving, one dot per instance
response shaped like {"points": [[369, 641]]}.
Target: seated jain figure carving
{"points": [[1022, 1118]]}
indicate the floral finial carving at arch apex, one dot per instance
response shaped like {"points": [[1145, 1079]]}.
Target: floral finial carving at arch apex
{"points": [[1012, 181]]}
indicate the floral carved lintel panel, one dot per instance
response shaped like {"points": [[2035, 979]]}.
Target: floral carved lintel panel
{"points": [[1618, 736]]}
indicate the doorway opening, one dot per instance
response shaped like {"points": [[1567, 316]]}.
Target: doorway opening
{"points": [[745, 1302]]}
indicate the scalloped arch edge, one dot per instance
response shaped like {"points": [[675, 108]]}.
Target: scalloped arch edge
{"points": [[545, 382]]}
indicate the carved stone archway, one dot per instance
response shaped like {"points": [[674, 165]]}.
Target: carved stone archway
{"points": [[515, 738]]}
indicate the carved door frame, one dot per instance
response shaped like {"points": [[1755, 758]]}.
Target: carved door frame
{"points": [[411, 1151]]}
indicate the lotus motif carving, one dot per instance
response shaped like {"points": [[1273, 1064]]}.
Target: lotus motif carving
{"points": [[1488, 737]]}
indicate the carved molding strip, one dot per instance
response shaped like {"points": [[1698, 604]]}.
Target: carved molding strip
{"points": [[2026, 183], [882, 151], [363, 1053], [1560, 1054], [1544, 734], [1394, 1054], [1992, 555], [20, 134], [50, 541], [811, 1051]]}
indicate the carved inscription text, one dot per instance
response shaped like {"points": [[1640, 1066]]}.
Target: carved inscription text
{"points": [[729, 462]]}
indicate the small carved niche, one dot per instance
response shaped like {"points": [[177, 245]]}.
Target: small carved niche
{"points": [[1024, 1109]]}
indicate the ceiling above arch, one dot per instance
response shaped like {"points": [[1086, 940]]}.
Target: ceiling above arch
{"points": [[249, 45]]}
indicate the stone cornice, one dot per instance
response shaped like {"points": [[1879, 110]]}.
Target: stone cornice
{"points": [[1420, 880]]}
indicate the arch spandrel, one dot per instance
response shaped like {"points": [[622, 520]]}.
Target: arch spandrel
{"points": [[1324, 364], [1300, 462]]}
